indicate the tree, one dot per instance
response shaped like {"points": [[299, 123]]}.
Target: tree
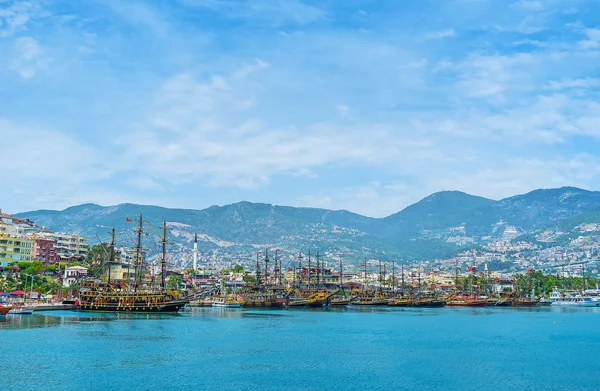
{"points": [[248, 279], [174, 282], [238, 268], [97, 258]]}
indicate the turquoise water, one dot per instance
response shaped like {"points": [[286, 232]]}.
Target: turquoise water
{"points": [[363, 349]]}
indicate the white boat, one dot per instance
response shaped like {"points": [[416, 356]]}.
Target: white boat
{"points": [[572, 299], [222, 303], [21, 310]]}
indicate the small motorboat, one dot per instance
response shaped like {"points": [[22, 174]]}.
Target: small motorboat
{"points": [[221, 302], [22, 310]]}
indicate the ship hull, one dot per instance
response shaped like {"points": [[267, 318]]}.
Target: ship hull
{"points": [[167, 307], [339, 303], [466, 304], [4, 311], [524, 303], [307, 304], [430, 304], [371, 303]]}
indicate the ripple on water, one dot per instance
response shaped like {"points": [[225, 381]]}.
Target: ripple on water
{"points": [[430, 349]]}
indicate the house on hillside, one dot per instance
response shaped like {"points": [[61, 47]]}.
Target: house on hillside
{"points": [[74, 274]]}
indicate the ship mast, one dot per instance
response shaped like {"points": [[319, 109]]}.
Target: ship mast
{"points": [[138, 255], [309, 271], [402, 271], [266, 266], [394, 277], [365, 275], [341, 275], [163, 261], [258, 270], [379, 277], [277, 269], [111, 260], [318, 271], [456, 277], [300, 271]]}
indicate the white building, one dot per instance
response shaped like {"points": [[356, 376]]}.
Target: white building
{"points": [[74, 274], [70, 245]]}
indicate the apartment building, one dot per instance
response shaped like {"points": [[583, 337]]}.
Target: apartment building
{"points": [[69, 246], [15, 248]]}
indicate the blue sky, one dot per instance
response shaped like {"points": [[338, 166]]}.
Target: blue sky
{"points": [[361, 105]]}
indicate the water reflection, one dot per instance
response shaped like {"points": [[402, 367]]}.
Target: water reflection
{"points": [[69, 318]]}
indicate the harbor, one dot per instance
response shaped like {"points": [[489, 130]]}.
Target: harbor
{"points": [[371, 348]]}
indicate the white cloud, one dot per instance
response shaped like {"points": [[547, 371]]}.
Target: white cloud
{"points": [[46, 167], [439, 34], [16, 15], [491, 76], [592, 41], [140, 13], [272, 12], [529, 4], [343, 109], [27, 59], [588, 82]]}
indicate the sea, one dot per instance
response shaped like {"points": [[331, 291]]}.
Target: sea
{"points": [[538, 348]]}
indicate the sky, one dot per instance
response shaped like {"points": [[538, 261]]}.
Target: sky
{"points": [[361, 105]]}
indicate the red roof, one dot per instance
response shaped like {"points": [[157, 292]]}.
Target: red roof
{"points": [[18, 293]]}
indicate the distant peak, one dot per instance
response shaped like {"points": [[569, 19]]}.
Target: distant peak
{"points": [[450, 194], [84, 206]]}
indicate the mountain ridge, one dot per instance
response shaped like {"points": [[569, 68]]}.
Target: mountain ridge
{"points": [[437, 226]]}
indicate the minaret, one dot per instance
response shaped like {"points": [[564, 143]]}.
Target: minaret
{"points": [[195, 252]]}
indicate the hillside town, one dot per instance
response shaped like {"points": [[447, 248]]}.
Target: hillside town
{"points": [[37, 262]]}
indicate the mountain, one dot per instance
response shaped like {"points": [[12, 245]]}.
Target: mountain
{"points": [[435, 227]]}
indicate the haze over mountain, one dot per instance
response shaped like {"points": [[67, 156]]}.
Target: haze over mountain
{"points": [[435, 227]]}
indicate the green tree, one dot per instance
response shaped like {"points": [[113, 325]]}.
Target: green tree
{"points": [[238, 268], [174, 282], [248, 279]]}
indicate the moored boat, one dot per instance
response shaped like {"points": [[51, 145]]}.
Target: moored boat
{"points": [[524, 303], [4, 311], [22, 310], [102, 296], [399, 302], [572, 299], [317, 299], [466, 302], [429, 303], [504, 302], [223, 302], [264, 299], [338, 301], [370, 300]]}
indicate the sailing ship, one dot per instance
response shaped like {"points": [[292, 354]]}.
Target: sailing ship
{"points": [[263, 294], [367, 298], [104, 296], [466, 301], [315, 300]]}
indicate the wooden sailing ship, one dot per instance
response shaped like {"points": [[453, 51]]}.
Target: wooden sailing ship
{"points": [[263, 294], [107, 296]]}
